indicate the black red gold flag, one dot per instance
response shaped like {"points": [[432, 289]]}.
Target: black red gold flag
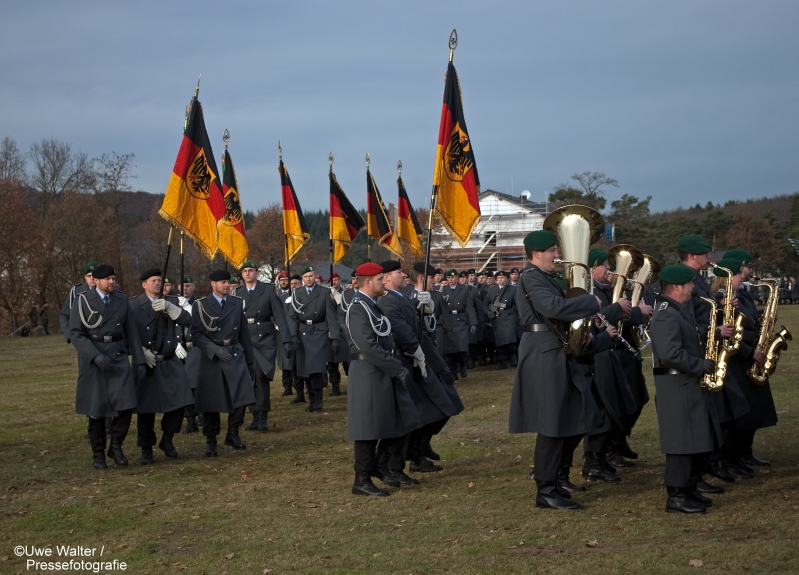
{"points": [[345, 221], [408, 227], [378, 224], [232, 238], [194, 201], [294, 226], [456, 173]]}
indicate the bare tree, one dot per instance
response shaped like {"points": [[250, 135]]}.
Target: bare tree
{"points": [[57, 169], [266, 239], [12, 162], [589, 193], [592, 182], [113, 173]]}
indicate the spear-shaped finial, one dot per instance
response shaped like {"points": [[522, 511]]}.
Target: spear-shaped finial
{"points": [[367, 161], [197, 89], [280, 151], [399, 170], [226, 138], [453, 42], [330, 161]]}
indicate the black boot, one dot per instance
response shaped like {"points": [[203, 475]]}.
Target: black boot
{"points": [[287, 391], [623, 448], [233, 440], [420, 464], [147, 456], [744, 466], [115, 452], [191, 425], [513, 360], [428, 452], [335, 389], [99, 460], [363, 486], [705, 487], [300, 396], [469, 362], [593, 470], [97, 439], [258, 422], [382, 471], [695, 496], [316, 401], [254, 425], [462, 369], [754, 460], [564, 484], [210, 447], [678, 501], [717, 471], [263, 424], [549, 497], [167, 446], [616, 460], [501, 365], [733, 469]]}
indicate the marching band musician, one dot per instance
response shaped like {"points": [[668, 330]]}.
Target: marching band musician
{"points": [[689, 426], [379, 407], [550, 394]]}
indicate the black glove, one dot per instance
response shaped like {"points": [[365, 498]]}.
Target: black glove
{"points": [[141, 371], [288, 349], [710, 366], [472, 330], [404, 375], [447, 377], [223, 354], [102, 361], [336, 347], [251, 369]]}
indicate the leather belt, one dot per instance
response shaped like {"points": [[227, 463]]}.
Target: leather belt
{"points": [[164, 357], [107, 338], [225, 342], [535, 327], [666, 371], [312, 322], [188, 344], [456, 312], [357, 356]]}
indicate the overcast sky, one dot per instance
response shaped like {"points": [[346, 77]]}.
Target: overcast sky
{"points": [[687, 101]]}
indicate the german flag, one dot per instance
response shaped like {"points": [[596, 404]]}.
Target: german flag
{"points": [[232, 239], [294, 226], [408, 227], [194, 200], [378, 225], [345, 221], [456, 173]]}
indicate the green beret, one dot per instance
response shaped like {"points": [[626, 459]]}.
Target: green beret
{"points": [[540, 240], [89, 268], [738, 254], [188, 280], [676, 274], [306, 269], [452, 272], [731, 264], [167, 280], [248, 264], [694, 244], [597, 257], [234, 280]]}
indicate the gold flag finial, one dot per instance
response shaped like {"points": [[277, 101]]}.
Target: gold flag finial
{"points": [[453, 42]]}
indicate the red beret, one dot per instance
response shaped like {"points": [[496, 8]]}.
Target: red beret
{"points": [[283, 274], [369, 269], [335, 275]]}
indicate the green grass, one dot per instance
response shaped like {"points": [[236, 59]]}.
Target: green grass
{"points": [[285, 503]]}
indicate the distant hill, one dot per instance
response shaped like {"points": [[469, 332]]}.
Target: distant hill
{"points": [[778, 206]]}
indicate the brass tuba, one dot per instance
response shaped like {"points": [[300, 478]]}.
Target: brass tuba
{"points": [[577, 227], [768, 344], [646, 274], [626, 260]]}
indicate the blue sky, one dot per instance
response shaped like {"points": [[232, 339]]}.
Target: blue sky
{"points": [[687, 101]]}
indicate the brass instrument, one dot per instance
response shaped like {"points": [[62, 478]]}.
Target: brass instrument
{"points": [[714, 352], [626, 260], [646, 274], [770, 346], [731, 317], [577, 227]]}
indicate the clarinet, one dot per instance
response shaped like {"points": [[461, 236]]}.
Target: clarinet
{"points": [[632, 349]]}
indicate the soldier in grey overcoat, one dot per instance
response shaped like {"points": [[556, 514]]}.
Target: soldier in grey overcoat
{"points": [[500, 302], [550, 395], [165, 389], [286, 364], [688, 427], [104, 334], [266, 317], [192, 361], [313, 313], [227, 365], [343, 356], [460, 320], [379, 407], [84, 286]]}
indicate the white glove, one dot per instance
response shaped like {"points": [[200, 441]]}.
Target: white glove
{"points": [[181, 352], [335, 295], [168, 308], [184, 303], [149, 357], [427, 301], [418, 361]]}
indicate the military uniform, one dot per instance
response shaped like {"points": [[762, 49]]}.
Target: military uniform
{"points": [[66, 309], [219, 331], [97, 329], [315, 322], [343, 355], [191, 365], [286, 364], [501, 304], [166, 388], [459, 316], [265, 317]]}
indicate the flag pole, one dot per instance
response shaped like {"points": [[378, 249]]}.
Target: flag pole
{"points": [[286, 245], [181, 262], [330, 159], [368, 237], [166, 259]]}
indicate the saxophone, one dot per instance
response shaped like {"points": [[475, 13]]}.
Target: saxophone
{"points": [[736, 320], [770, 346], [715, 352]]}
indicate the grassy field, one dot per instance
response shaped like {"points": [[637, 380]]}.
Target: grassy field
{"points": [[284, 505]]}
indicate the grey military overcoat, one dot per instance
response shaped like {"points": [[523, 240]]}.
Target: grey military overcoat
{"points": [[316, 324], [283, 362], [686, 422], [223, 386], [265, 315], [104, 393], [505, 322], [166, 387], [378, 403], [458, 314], [550, 394]]}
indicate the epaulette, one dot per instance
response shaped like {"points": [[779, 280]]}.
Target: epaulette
{"points": [[200, 298], [663, 305], [117, 290], [235, 296], [82, 292], [130, 297]]}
